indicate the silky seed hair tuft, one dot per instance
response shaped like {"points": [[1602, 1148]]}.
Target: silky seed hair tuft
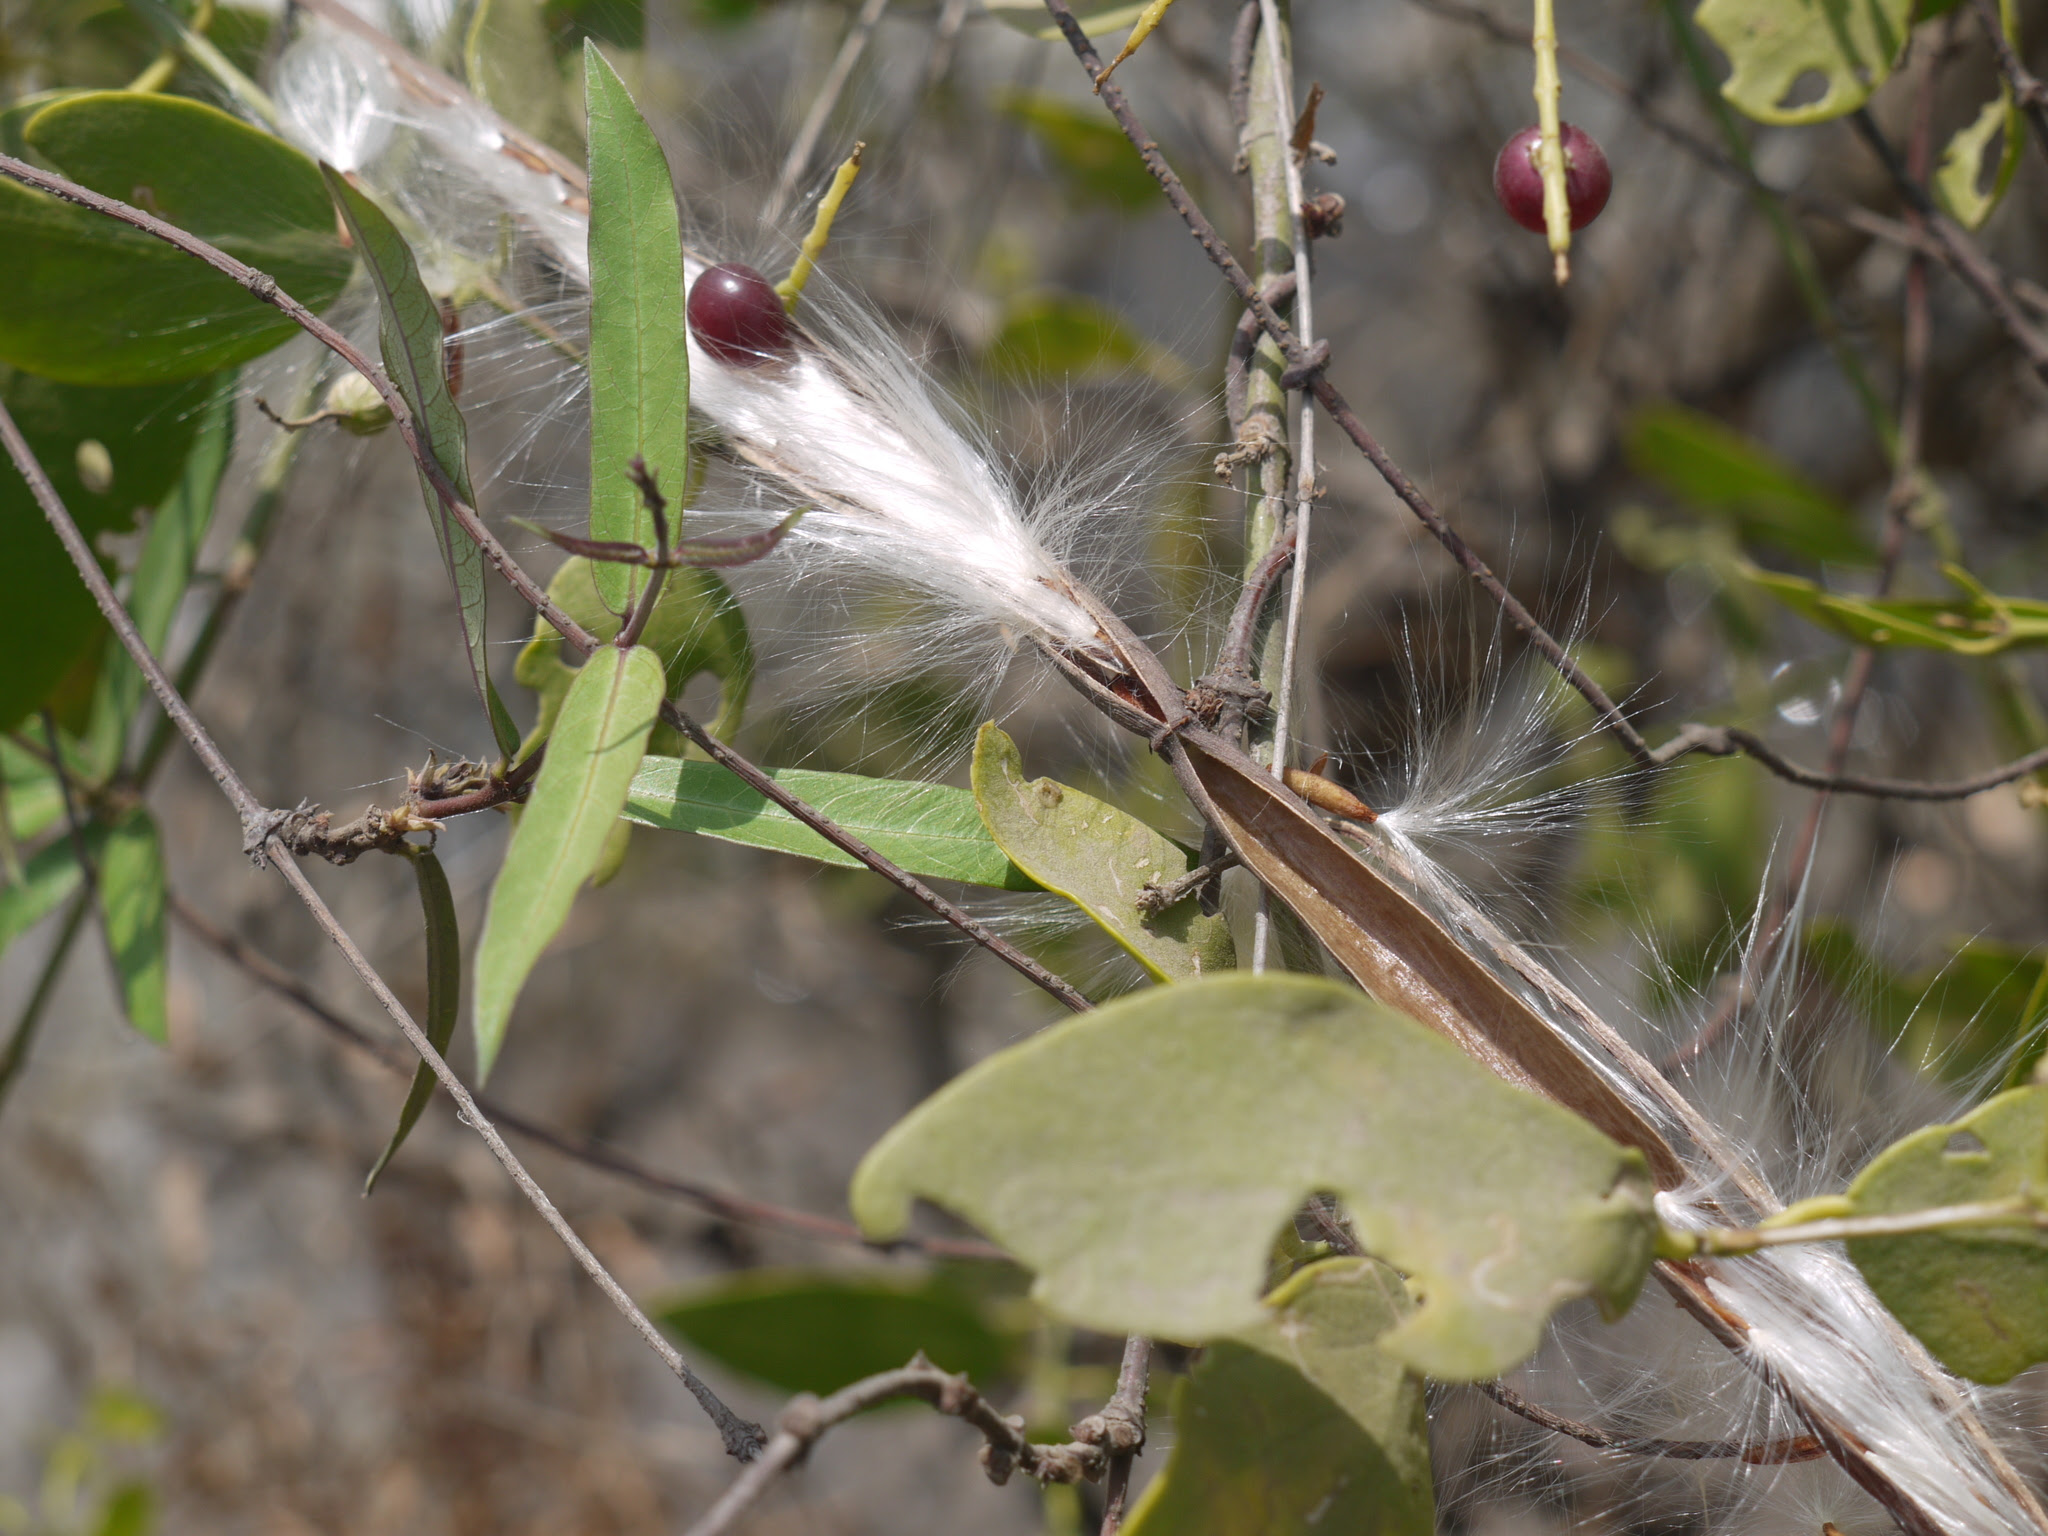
{"points": [[900, 494]]}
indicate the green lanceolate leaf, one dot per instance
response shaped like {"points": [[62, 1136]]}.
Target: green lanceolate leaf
{"points": [[1100, 859], [116, 306], [816, 1331], [410, 331], [932, 830], [1976, 1296], [47, 881], [1140, 1159], [444, 995], [170, 552], [1805, 61], [596, 746], [48, 624], [132, 902], [697, 626], [639, 358], [1719, 471], [1302, 1425], [1981, 623]]}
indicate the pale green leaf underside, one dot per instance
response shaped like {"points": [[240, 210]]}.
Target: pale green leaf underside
{"points": [[592, 755], [1301, 1426], [1844, 48], [1140, 1159], [932, 830], [1977, 1296], [639, 357], [1099, 858], [1959, 180]]}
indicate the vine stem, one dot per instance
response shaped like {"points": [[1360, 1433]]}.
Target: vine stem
{"points": [[742, 1438]]}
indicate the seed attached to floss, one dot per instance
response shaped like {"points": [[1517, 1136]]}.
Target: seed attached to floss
{"points": [[737, 316], [1519, 184]]}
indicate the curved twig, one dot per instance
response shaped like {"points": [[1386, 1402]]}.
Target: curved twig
{"points": [[737, 1208], [1758, 1453]]}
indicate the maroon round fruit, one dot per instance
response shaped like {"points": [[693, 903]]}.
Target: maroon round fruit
{"points": [[737, 316], [1519, 184]]}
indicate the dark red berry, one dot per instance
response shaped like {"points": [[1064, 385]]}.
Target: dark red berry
{"points": [[737, 316], [1519, 185]]}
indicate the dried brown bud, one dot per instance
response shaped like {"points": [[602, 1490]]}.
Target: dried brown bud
{"points": [[1322, 216]]}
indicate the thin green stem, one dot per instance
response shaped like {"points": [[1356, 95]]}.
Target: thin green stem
{"points": [[1733, 1242]]}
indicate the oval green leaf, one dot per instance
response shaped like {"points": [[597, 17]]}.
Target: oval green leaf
{"points": [[1100, 859], [814, 1331], [1301, 1426], [596, 746], [1977, 1297], [1140, 1159], [116, 306], [1828, 54], [639, 356], [932, 830]]}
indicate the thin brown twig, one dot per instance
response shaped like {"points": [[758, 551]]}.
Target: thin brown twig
{"points": [[1759, 1453], [806, 1419], [1967, 262], [1727, 740], [742, 1438], [727, 1207], [1122, 1428]]}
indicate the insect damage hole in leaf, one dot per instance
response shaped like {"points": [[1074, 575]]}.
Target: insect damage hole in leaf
{"points": [[1140, 1158], [1977, 1296]]}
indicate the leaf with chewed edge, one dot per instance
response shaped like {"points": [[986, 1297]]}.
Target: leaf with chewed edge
{"points": [[593, 752], [1140, 1158], [1099, 858], [1302, 1424], [1778, 47]]}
